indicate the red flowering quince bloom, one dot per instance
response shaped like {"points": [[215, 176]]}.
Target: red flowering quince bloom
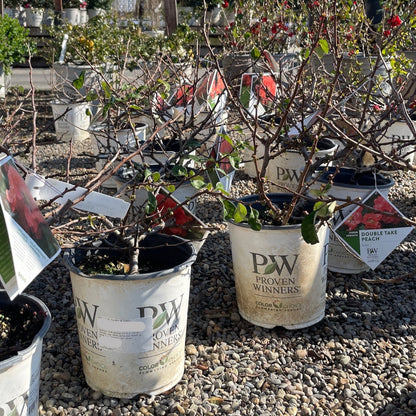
{"points": [[184, 95], [381, 204], [354, 220], [225, 4], [167, 205], [266, 91], [22, 206], [372, 221], [394, 21]]}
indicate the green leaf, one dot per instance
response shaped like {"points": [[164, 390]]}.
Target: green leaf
{"points": [[79, 82], [324, 210], [171, 188], [91, 96], [107, 90], [255, 53], [228, 209], [159, 320], [321, 191], [308, 229], [155, 176], [253, 220], [179, 170], [324, 45], [240, 213], [151, 203], [198, 182]]}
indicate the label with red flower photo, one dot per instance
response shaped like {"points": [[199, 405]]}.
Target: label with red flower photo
{"points": [[258, 93], [27, 245], [373, 231]]}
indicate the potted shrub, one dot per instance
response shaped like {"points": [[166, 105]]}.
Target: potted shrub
{"points": [[97, 7], [23, 324], [34, 13], [15, 46], [71, 13], [146, 254], [295, 110]]}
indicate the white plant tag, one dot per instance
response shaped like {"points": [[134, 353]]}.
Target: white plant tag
{"points": [[372, 234], [126, 336], [94, 202]]}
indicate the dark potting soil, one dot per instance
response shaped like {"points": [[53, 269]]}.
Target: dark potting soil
{"points": [[19, 324]]}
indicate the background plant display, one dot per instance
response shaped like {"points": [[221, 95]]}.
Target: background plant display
{"points": [[15, 44]]}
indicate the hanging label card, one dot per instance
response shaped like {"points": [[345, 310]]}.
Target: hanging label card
{"points": [[27, 245], [94, 202], [374, 231], [258, 93]]}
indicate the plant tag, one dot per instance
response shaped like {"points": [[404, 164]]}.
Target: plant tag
{"points": [[374, 231], [308, 122], [258, 93], [27, 245], [94, 202], [126, 336]]}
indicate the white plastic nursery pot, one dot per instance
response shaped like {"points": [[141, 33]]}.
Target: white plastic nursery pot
{"points": [[71, 120], [20, 374], [398, 139], [4, 82], [72, 15], [132, 328], [285, 169], [105, 144], [65, 73], [292, 296], [34, 18], [348, 185]]}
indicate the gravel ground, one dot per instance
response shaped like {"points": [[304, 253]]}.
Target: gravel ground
{"points": [[359, 360]]}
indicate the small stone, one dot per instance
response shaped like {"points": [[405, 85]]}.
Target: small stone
{"points": [[344, 359], [50, 403], [235, 317], [395, 362], [64, 377], [191, 350], [180, 409], [292, 410], [96, 395], [218, 370], [301, 353]]}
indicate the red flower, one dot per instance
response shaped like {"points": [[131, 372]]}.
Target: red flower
{"points": [[394, 21], [246, 80], [184, 95], [381, 204], [225, 4], [255, 29], [386, 33], [376, 107], [274, 28], [264, 19], [167, 206], [22, 206], [372, 221], [266, 91], [354, 220]]}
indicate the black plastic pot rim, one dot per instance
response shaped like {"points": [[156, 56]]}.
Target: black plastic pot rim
{"points": [[69, 260]]}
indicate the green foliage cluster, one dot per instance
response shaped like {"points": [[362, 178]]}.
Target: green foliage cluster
{"points": [[99, 4], [15, 44], [101, 40]]}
